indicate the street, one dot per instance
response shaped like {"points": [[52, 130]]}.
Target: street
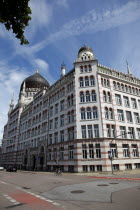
{"points": [[44, 190]]}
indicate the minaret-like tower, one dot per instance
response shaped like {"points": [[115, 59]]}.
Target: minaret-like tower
{"points": [[22, 95], [128, 69], [11, 105], [63, 69]]}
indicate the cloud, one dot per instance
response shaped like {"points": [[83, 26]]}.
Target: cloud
{"points": [[43, 65], [62, 3], [93, 22], [10, 81]]}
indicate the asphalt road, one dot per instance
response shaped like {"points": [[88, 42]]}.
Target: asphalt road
{"points": [[42, 190]]}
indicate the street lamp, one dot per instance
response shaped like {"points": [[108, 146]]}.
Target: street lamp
{"points": [[110, 152]]}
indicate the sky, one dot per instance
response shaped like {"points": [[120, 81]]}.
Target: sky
{"points": [[58, 29]]}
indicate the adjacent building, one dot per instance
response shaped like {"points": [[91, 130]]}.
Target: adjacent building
{"points": [[90, 114]]}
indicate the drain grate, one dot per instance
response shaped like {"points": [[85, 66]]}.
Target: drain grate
{"points": [[114, 183], [26, 188], [102, 185], [77, 191]]}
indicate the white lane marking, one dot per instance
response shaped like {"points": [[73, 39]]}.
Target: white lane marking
{"points": [[57, 204], [11, 199], [49, 200], [3, 182]]}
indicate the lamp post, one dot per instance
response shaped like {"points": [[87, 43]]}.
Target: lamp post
{"points": [[110, 152]]}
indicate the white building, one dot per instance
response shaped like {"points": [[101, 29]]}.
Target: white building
{"points": [[77, 121]]}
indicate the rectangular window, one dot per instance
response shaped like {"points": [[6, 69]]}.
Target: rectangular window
{"points": [[84, 151], [134, 103], [131, 134], [96, 130], [61, 153], [50, 139], [92, 168], [51, 124], [125, 150], [129, 117], [113, 148], [56, 108], [120, 115], [62, 105], [98, 151], [128, 166], [135, 150], [118, 99], [56, 123], [85, 168], [99, 167], [90, 132], [138, 133], [91, 151], [71, 152], [62, 120], [136, 117], [56, 138], [126, 101], [61, 136], [115, 167], [51, 111], [123, 132], [108, 131], [83, 127], [137, 165], [71, 133]]}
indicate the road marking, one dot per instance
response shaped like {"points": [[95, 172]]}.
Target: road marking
{"points": [[3, 182], [104, 177], [11, 199], [57, 204]]}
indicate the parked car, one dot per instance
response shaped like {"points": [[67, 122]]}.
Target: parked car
{"points": [[1, 168], [11, 169]]}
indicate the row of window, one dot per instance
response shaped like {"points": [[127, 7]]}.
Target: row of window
{"points": [[126, 100], [90, 131], [88, 96], [129, 117], [87, 81], [85, 68], [126, 88], [89, 113]]}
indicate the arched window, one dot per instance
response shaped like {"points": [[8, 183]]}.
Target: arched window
{"points": [[122, 87], [102, 81], [83, 114], [82, 97], [72, 99], [107, 83], [129, 89], [87, 96], [108, 97], [106, 113], [92, 81], [85, 68], [137, 92], [89, 67], [89, 113], [126, 88], [81, 69], [72, 115], [118, 86], [104, 96], [81, 82], [133, 90], [69, 101], [114, 85], [95, 113], [93, 95], [86, 81], [110, 113]]}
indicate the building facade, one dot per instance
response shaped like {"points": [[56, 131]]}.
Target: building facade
{"points": [[91, 114]]}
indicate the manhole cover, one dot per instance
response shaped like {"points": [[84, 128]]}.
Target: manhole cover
{"points": [[102, 185], [77, 191], [113, 183], [26, 188]]}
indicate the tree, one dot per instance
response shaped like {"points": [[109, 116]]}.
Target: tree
{"points": [[15, 15]]}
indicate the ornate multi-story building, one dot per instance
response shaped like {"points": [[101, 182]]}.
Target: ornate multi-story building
{"points": [[90, 116]]}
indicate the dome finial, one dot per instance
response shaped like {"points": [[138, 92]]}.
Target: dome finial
{"points": [[37, 71], [128, 69]]}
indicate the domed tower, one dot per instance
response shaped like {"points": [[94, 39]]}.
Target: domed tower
{"points": [[30, 86], [85, 53]]}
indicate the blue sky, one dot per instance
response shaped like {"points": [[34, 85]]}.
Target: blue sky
{"points": [[56, 32]]}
